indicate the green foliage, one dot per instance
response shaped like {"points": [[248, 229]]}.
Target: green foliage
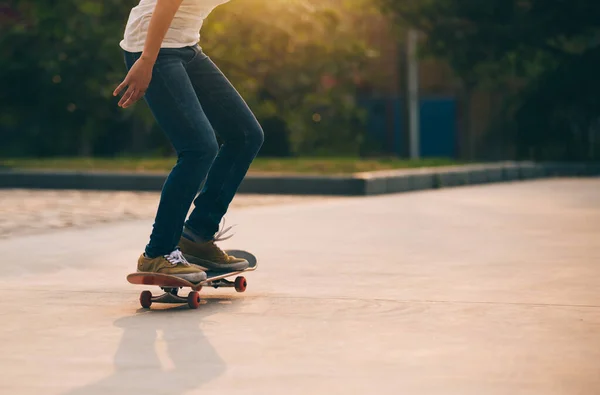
{"points": [[544, 46], [60, 61], [58, 67], [297, 61]]}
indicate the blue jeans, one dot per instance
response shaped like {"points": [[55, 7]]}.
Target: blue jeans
{"points": [[191, 99]]}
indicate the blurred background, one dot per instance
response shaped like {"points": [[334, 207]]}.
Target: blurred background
{"points": [[452, 80]]}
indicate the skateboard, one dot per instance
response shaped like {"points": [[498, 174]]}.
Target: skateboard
{"points": [[171, 284]]}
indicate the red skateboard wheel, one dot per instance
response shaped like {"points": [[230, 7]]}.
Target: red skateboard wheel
{"points": [[146, 299], [240, 284], [193, 300]]}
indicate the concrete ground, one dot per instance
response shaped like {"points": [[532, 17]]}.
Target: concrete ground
{"points": [[476, 290], [25, 211]]}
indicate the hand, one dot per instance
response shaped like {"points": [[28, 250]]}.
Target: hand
{"points": [[137, 80]]}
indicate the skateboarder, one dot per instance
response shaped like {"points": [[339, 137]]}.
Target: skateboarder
{"points": [[190, 98]]}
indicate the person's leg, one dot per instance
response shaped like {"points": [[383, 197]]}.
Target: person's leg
{"points": [[177, 110], [242, 138]]}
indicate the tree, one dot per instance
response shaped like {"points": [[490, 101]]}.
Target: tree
{"points": [[59, 63], [298, 61], [540, 47]]}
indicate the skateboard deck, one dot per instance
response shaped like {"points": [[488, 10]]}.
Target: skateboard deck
{"points": [[171, 284]]}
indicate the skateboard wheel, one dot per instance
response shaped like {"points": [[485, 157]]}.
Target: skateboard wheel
{"points": [[193, 300], [146, 299], [240, 284]]}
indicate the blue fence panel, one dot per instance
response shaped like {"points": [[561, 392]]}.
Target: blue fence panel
{"points": [[437, 125]]}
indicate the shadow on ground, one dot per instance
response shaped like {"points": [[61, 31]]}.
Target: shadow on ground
{"points": [[163, 336]]}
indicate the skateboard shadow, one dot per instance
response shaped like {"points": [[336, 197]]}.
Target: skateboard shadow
{"points": [[162, 351]]}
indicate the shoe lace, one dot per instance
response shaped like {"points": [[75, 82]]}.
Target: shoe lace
{"points": [[176, 257], [222, 232], [220, 237]]}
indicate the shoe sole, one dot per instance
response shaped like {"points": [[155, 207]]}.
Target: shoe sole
{"points": [[207, 265], [193, 278]]}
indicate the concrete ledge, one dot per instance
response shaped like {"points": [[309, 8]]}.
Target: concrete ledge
{"points": [[303, 185], [531, 170], [371, 183]]}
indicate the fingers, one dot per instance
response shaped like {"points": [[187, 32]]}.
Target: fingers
{"points": [[132, 96], [121, 86], [135, 84], [126, 96]]}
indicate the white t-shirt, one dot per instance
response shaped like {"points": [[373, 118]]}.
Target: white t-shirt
{"points": [[184, 29]]}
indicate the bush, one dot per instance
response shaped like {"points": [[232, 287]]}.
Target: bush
{"points": [[58, 70]]}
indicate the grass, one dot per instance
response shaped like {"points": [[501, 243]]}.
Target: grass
{"points": [[260, 165]]}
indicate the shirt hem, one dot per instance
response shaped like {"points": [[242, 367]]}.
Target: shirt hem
{"points": [[139, 48]]}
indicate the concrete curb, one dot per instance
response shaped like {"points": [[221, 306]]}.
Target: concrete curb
{"points": [[371, 183]]}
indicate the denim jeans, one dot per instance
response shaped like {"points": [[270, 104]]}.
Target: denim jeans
{"points": [[191, 99]]}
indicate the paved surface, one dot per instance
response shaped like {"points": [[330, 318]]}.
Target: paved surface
{"points": [[25, 211], [478, 290]]}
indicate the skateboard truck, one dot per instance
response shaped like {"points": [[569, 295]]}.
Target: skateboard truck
{"points": [[170, 294]]}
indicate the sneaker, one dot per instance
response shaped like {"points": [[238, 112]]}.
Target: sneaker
{"points": [[173, 264], [208, 255]]}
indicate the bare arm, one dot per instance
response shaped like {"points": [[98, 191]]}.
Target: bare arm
{"points": [[163, 15], [140, 74]]}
